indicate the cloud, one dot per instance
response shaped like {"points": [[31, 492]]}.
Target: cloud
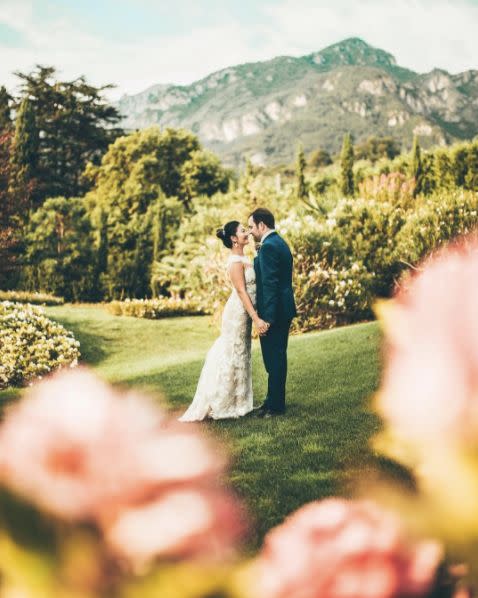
{"points": [[421, 34]]}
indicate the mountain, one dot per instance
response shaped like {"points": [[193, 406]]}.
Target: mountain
{"points": [[263, 110]]}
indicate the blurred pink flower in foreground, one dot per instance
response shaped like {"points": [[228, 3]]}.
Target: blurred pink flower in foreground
{"points": [[344, 549], [82, 451], [430, 384]]}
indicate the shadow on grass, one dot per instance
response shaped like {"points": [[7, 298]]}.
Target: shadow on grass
{"points": [[92, 339], [278, 464]]}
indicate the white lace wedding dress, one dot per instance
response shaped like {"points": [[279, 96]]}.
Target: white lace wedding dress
{"points": [[225, 385]]}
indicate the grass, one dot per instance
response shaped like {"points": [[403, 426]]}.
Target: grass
{"points": [[278, 464]]}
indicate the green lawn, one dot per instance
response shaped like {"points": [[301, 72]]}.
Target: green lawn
{"points": [[280, 463]]}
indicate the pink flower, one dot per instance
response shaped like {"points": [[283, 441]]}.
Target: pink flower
{"points": [[80, 450], [430, 383], [344, 549], [183, 523]]}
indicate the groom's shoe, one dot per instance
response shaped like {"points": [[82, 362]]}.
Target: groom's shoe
{"points": [[261, 411], [267, 413], [272, 412]]}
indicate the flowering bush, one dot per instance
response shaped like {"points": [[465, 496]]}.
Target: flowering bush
{"points": [[428, 396], [340, 549], [31, 345], [344, 257], [161, 307], [393, 187], [32, 298], [98, 487], [328, 297], [434, 221]]}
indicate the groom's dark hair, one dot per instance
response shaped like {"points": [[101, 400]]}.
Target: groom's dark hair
{"points": [[265, 216]]}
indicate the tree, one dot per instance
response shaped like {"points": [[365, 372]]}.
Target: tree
{"points": [[443, 170], [428, 181], [5, 114], [301, 185], [60, 249], [471, 178], [76, 126], [375, 148], [347, 163], [101, 262], [24, 156], [320, 158], [202, 174], [416, 169], [10, 242], [142, 221], [460, 164]]}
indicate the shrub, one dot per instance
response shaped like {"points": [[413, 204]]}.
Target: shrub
{"points": [[328, 297], [154, 309], [364, 231], [32, 298], [32, 345], [436, 220]]}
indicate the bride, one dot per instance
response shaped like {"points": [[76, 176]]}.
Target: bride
{"points": [[225, 385]]}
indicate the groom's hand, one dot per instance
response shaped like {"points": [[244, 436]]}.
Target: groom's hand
{"points": [[262, 327]]}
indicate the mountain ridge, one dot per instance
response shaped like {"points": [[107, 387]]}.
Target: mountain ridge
{"points": [[263, 109]]}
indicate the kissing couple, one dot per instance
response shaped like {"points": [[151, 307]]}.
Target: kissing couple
{"points": [[261, 295]]}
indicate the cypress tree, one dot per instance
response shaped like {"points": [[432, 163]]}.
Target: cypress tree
{"points": [[301, 186], [24, 156], [101, 264], [460, 166], [471, 178], [347, 166], [443, 170], [5, 116], [417, 166]]}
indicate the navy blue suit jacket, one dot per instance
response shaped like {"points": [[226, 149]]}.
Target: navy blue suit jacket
{"points": [[273, 267]]}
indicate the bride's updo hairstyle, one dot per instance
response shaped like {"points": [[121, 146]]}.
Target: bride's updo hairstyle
{"points": [[226, 232]]}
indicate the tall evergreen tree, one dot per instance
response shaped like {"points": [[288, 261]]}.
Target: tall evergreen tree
{"points": [[347, 164], [101, 263], [10, 242], [76, 124], [417, 166], [24, 156], [60, 249], [443, 170], [301, 185], [460, 164], [5, 113], [471, 178]]}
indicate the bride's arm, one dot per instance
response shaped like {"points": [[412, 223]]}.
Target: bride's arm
{"points": [[236, 272]]}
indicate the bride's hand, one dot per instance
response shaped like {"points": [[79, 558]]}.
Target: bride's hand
{"points": [[261, 326]]}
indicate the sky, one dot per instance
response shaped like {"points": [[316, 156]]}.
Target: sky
{"points": [[138, 43]]}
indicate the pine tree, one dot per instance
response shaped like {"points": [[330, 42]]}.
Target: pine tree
{"points": [[347, 165], [77, 125], [301, 185], [24, 157], [5, 116], [417, 166]]}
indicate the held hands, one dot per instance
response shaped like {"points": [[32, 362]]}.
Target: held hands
{"points": [[261, 326]]}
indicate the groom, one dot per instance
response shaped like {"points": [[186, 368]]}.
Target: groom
{"points": [[275, 305]]}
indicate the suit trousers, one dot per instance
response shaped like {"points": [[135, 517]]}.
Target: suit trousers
{"points": [[274, 354]]}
